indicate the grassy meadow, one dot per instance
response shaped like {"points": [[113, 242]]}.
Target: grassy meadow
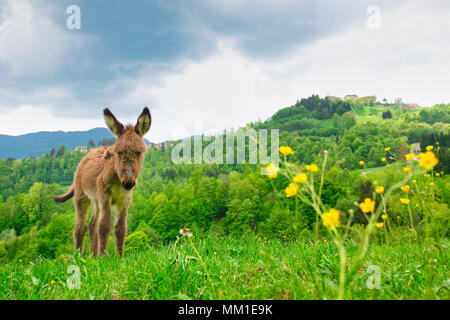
{"points": [[237, 269]]}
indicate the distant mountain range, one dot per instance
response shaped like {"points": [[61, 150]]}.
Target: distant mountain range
{"points": [[39, 143]]}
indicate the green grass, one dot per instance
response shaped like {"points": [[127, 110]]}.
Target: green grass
{"points": [[386, 173], [374, 113], [238, 269]]}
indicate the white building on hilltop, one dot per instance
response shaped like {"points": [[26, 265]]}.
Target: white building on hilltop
{"points": [[81, 148]]}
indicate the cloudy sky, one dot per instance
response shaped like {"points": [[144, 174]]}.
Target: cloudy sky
{"points": [[206, 65]]}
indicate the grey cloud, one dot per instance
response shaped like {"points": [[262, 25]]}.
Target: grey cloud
{"points": [[122, 43]]}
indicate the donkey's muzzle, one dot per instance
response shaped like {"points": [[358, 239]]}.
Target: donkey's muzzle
{"points": [[129, 184]]}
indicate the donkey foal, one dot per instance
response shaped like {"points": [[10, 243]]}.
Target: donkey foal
{"points": [[105, 178]]}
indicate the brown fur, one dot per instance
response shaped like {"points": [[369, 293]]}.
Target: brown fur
{"points": [[104, 178]]}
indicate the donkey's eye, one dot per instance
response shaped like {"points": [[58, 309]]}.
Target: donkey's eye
{"points": [[137, 154], [120, 153]]}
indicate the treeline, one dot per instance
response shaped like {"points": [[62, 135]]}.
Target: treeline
{"points": [[56, 166], [314, 107], [441, 143], [17, 176], [203, 198]]}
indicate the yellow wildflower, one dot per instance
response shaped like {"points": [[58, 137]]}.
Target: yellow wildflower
{"points": [[379, 189], [272, 170], [285, 150], [52, 282], [428, 160], [331, 219], [368, 205], [387, 149], [414, 181], [301, 178], [384, 216], [312, 167], [437, 174], [405, 188], [291, 190], [361, 163], [379, 225], [404, 201], [409, 156], [426, 175], [383, 159], [406, 169], [429, 148]]}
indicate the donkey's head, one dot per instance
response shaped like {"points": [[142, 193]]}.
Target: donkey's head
{"points": [[129, 149]]}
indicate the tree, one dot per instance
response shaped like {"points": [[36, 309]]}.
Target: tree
{"points": [[241, 216], [279, 223], [107, 142], [91, 144], [348, 120], [61, 151], [137, 241], [38, 204], [55, 239], [444, 160], [387, 115]]}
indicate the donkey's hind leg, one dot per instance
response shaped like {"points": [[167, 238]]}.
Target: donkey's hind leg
{"points": [[93, 234], [81, 207]]}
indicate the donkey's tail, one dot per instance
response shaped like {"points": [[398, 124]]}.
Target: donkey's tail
{"points": [[66, 196]]}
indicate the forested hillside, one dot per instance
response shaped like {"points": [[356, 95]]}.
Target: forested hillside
{"points": [[236, 199]]}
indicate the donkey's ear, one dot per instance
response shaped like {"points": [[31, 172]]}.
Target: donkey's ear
{"points": [[114, 125], [143, 123]]}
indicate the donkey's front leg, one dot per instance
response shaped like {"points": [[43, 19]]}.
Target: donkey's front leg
{"points": [[104, 225], [120, 229], [93, 233]]}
